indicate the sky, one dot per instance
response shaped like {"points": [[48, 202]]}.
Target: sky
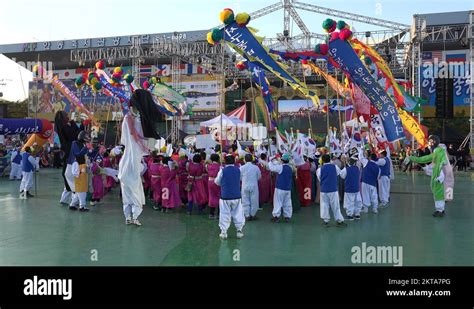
{"points": [[47, 20]]}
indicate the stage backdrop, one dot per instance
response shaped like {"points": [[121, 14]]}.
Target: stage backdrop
{"points": [[200, 91], [294, 114], [456, 61]]}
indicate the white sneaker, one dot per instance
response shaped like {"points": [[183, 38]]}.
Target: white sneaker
{"points": [[23, 196], [364, 210], [128, 221], [240, 234], [223, 235], [136, 222], [375, 211], [92, 203]]}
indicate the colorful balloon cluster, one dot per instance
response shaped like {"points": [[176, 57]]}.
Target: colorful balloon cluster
{"points": [[241, 65], [242, 19], [150, 81], [227, 17], [92, 79], [117, 77], [330, 25], [321, 49], [214, 36], [38, 70]]}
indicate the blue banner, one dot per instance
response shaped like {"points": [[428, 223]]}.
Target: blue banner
{"points": [[243, 41], [259, 77], [20, 126], [343, 54]]}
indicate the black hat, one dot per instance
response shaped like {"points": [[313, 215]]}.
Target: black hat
{"points": [[149, 112]]}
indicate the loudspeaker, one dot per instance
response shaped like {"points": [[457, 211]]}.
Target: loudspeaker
{"points": [[449, 98], [444, 97], [248, 110], [439, 98], [3, 111]]}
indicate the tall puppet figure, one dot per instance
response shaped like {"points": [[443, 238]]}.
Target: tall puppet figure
{"points": [[439, 158], [138, 124], [67, 131]]}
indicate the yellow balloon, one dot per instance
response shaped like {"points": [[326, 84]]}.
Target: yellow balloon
{"points": [[209, 38]]}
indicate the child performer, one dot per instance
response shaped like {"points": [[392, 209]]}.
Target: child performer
{"points": [[28, 166], [97, 181]]}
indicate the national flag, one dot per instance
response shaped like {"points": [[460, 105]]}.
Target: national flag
{"points": [[456, 58], [356, 138], [281, 142], [189, 69], [162, 70], [145, 70], [429, 56], [67, 74]]}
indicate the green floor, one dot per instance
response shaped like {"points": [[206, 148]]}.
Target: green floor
{"points": [[41, 232]]}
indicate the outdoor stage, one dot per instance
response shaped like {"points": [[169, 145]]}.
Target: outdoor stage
{"points": [[40, 232]]}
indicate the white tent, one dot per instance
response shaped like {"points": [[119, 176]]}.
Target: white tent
{"points": [[14, 80], [226, 121]]}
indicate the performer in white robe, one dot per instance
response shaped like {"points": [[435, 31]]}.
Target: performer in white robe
{"points": [[136, 127], [130, 169]]}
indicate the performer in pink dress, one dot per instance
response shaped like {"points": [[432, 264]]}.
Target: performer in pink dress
{"points": [[264, 184], [214, 190], [205, 176], [196, 189], [97, 181], [304, 183], [155, 180], [169, 188], [183, 177], [109, 181]]}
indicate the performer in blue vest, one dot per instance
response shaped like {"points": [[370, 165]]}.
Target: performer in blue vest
{"points": [[370, 176], [329, 197], [386, 174], [15, 172], [282, 194], [230, 202], [352, 198], [28, 166]]}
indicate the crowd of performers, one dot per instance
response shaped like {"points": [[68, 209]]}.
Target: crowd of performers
{"points": [[223, 184]]}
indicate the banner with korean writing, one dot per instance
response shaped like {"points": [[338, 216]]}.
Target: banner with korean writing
{"points": [[343, 54], [242, 40]]}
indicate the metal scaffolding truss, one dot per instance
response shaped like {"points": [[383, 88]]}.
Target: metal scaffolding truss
{"points": [[290, 6], [351, 16], [392, 40], [471, 51]]}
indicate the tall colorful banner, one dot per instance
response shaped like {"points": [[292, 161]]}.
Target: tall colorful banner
{"points": [[242, 40], [259, 77], [343, 54]]}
